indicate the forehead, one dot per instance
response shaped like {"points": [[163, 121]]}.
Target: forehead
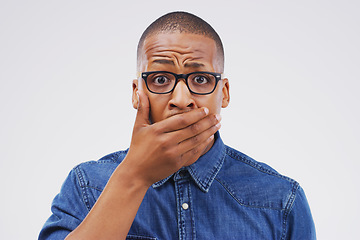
{"points": [[181, 48]]}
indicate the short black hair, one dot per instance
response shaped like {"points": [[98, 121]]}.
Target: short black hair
{"points": [[182, 22]]}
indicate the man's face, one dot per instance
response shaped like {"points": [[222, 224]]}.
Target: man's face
{"points": [[180, 53]]}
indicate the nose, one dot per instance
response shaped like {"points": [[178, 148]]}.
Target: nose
{"points": [[181, 98]]}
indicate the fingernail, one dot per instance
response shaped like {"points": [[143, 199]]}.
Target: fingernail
{"points": [[206, 110], [218, 117], [218, 125]]}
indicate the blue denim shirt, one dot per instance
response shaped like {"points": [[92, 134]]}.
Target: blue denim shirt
{"points": [[224, 195]]}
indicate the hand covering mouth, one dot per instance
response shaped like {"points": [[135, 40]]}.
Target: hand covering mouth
{"points": [[173, 113]]}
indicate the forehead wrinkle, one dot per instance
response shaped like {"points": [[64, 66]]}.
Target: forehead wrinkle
{"points": [[164, 47], [166, 53], [193, 62], [163, 60], [160, 49], [175, 58], [176, 54]]}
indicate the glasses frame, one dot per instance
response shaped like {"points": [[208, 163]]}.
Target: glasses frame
{"points": [[144, 76]]}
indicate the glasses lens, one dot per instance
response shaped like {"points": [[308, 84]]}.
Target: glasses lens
{"points": [[160, 82], [202, 82]]}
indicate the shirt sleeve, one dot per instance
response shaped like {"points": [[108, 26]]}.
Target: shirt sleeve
{"points": [[68, 210], [300, 224]]}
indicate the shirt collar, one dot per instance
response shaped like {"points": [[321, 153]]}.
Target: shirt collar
{"points": [[205, 169]]}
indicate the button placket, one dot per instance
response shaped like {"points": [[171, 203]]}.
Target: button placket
{"points": [[185, 221]]}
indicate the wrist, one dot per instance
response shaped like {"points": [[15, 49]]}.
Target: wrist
{"points": [[134, 178]]}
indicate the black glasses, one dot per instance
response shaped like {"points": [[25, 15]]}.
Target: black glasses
{"points": [[162, 82]]}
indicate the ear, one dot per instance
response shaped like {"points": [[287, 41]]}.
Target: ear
{"points": [[225, 93], [135, 100]]}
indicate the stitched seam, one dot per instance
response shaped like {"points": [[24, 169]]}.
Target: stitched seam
{"points": [[230, 152], [134, 237], [95, 188], [288, 208], [192, 214], [241, 202], [178, 205], [81, 181], [205, 185], [80, 171], [100, 161]]}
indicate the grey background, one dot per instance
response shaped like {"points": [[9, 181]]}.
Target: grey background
{"points": [[65, 96]]}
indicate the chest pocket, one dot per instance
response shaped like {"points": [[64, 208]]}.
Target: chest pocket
{"points": [[135, 237]]}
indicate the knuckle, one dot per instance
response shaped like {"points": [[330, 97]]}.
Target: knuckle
{"points": [[195, 139], [181, 120], [163, 148], [168, 154], [195, 128], [195, 151], [156, 130], [168, 151], [162, 144]]}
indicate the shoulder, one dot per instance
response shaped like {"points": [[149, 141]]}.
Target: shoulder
{"points": [[255, 184], [95, 174]]}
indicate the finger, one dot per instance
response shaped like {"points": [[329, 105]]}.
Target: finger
{"points": [[182, 120], [193, 147], [193, 155], [196, 128], [142, 116]]}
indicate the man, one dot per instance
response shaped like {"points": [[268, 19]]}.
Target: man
{"points": [[178, 180]]}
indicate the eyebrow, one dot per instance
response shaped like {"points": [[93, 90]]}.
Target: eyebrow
{"points": [[169, 62], [164, 61], [194, 65]]}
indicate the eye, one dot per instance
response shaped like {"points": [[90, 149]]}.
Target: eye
{"points": [[160, 80], [200, 79]]}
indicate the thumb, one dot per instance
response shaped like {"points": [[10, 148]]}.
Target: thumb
{"points": [[143, 110]]}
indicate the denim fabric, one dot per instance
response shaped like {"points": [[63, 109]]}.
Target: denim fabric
{"points": [[224, 195]]}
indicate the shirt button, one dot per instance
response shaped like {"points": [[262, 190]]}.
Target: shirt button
{"points": [[185, 206]]}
